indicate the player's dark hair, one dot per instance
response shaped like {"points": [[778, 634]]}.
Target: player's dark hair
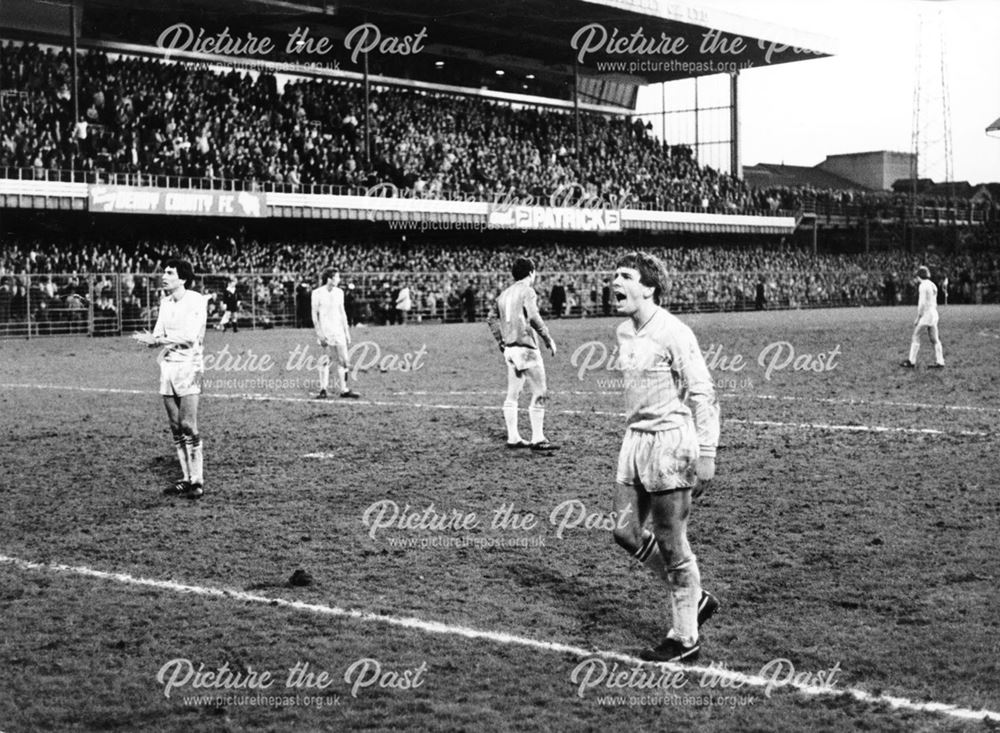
{"points": [[522, 267], [652, 273], [184, 270], [924, 272], [327, 276]]}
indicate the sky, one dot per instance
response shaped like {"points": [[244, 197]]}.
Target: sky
{"points": [[862, 98]]}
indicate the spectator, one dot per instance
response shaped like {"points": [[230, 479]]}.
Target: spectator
{"points": [[6, 298], [606, 298], [469, 296], [760, 294], [557, 298], [76, 307], [351, 305], [19, 303], [303, 306]]}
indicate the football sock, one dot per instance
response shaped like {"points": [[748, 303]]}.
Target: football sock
{"points": [[196, 458], [649, 555], [182, 455], [510, 417], [938, 353], [685, 592], [342, 373], [914, 350], [324, 373], [537, 417]]}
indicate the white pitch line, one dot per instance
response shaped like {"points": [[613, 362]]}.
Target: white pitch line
{"points": [[877, 403], [855, 428], [496, 408], [850, 402], [498, 637]]}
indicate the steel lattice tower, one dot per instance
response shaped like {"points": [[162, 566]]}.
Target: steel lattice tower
{"points": [[931, 132]]}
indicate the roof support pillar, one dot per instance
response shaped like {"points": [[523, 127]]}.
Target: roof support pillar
{"points": [[367, 135], [576, 117], [735, 167]]}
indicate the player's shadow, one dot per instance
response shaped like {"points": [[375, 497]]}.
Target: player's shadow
{"points": [[599, 603], [164, 467], [162, 472]]}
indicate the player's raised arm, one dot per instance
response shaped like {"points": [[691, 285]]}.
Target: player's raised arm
{"points": [[535, 319]]}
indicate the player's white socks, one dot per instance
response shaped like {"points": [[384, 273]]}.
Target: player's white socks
{"points": [[195, 458], [324, 374], [914, 350], [182, 458], [683, 584], [685, 592], [510, 417], [342, 373], [938, 353], [537, 417]]}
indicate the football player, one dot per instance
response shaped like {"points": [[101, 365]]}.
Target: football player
{"points": [[927, 317], [514, 321], [180, 331], [332, 330], [668, 452]]}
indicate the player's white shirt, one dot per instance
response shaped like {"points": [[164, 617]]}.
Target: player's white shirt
{"points": [[663, 370], [927, 312], [515, 317], [183, 320], [329, 316]]}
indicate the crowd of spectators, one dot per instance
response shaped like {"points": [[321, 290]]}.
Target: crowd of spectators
{"points": [[161, 118], [454, 282], [148, 116]]}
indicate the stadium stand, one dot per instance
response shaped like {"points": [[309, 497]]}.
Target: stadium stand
{"points": [[450, 282], [166, 119], [173, 121], [162, 123]]}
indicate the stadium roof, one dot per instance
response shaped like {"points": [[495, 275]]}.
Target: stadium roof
{"points": [[994, 129], [780, 175], [539, 33], [529, 36]]}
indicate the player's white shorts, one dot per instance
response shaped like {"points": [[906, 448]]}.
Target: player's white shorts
{"points": [[179, 379], [928, 319], [334, 339], [522, 358], [659, 462]]}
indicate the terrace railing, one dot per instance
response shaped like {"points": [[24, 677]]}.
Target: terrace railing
{"points": [[112, 304]]}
